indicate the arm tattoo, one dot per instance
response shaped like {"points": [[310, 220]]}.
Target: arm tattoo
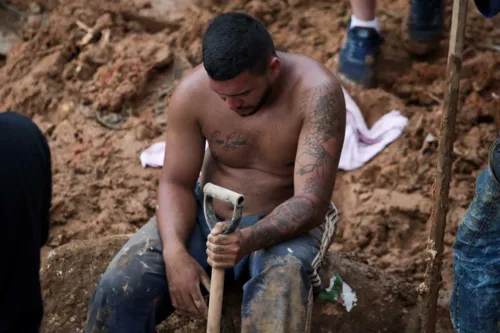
{"points": [[324, 125], [286, 220], [323, 122]]}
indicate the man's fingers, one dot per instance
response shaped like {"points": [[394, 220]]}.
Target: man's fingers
{"points": [[187, 305], [219, 228], [205, 280], [219, 239], [221, 258], [222, 249], [173, 300], [219, 264], [199, 302]]}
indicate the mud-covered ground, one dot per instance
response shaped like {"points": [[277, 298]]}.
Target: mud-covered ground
{"points": [[97, 76]]}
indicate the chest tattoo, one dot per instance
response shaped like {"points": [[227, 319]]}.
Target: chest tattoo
{"points": [[228, 142]]}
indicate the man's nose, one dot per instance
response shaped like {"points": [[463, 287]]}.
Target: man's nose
{"points": [[233, 103]]}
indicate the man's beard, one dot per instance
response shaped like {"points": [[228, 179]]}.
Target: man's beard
{"points": [[259, 105]]}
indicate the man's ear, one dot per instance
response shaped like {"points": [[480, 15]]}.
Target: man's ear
{"points": [[275, 67]]}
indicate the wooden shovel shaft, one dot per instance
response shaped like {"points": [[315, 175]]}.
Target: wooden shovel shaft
{"points": [[215, 301]]}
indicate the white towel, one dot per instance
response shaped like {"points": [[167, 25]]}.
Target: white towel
{"points": [[361, 144]]}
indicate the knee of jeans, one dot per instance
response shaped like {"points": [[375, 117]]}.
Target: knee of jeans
{"points": [[285, 267], [282, 284], [112, 285], [123, 285], [298, 253]]}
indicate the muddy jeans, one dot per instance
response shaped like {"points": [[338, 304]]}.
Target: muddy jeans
{"points": [[132, 295], [475, 302]]}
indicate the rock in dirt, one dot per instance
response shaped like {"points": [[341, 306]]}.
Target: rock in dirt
{"points": [[70, 273], [7, 39], [8, 25]]}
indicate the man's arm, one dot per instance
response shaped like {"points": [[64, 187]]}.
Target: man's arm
{"points": [[183, 159], [318, 153]]}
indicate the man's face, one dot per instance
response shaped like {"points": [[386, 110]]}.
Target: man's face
{"points": [[245, 94]]}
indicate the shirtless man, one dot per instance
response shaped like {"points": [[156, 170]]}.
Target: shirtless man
{"points": [[275, 126]]}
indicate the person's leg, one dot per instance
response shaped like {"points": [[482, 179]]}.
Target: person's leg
{"points": [[133, 289], [277, 296], [363, 9], [426, 20], [25, 199], [358, 57], [132, 295], [475, 301]]}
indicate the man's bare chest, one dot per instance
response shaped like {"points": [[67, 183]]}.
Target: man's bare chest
{"points": [[248, 143]]}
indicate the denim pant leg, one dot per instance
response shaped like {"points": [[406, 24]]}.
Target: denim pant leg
{"points": [[475, 301], [132, 296], [277, 296]]}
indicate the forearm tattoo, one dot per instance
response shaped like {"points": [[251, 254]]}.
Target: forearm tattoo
{"points": [[286, 220]]}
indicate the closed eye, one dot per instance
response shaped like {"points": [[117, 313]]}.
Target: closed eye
{"points": [[243, 93]]}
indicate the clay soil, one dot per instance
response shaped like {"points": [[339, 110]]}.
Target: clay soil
{"points": [[103, 101]]}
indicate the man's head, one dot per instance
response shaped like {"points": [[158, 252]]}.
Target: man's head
{"points": [[241, 61]]}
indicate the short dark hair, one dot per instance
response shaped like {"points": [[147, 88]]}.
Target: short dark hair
{"points": [[236, 42]]}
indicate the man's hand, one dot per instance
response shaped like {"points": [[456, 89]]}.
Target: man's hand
{"points": [[224, 251], [184, 276]]}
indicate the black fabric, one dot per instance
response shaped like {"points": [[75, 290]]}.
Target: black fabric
{"points": [[25, 199], [488, 8]]}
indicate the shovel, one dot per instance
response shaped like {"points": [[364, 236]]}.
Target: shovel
{"points": [[217, 280]]}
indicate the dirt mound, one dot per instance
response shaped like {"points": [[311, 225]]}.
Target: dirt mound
{"points": [[96, 55], [97, 75], [70, 274]]}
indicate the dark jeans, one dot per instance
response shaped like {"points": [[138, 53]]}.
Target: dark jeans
{"points": [[132, 295], [25, 197], [475, 302]]}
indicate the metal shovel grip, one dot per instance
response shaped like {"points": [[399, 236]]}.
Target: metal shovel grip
{"points": [[223, 194], [220, 193]]}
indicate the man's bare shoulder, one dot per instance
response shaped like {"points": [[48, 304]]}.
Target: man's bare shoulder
{"points": [[315, 84], [192, 88]]}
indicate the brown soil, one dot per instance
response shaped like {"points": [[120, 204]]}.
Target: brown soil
{"points": [[102, 101], [70, 273]]}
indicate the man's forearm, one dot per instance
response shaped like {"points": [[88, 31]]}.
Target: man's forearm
{"points": [[292, 218], [176, 214]]}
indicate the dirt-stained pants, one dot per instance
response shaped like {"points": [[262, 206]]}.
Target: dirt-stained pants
{"points": [[132, 295], [475, 301]]}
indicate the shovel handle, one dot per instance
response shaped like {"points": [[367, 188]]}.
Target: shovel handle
{"points": [[221, 193], [215, 300]]}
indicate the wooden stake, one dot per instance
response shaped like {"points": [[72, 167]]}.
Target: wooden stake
{"points": [[443, 174]]}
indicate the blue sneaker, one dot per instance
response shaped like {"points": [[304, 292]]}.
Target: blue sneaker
{"points": [[494, 158], [426, 20], [358, 57]]}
